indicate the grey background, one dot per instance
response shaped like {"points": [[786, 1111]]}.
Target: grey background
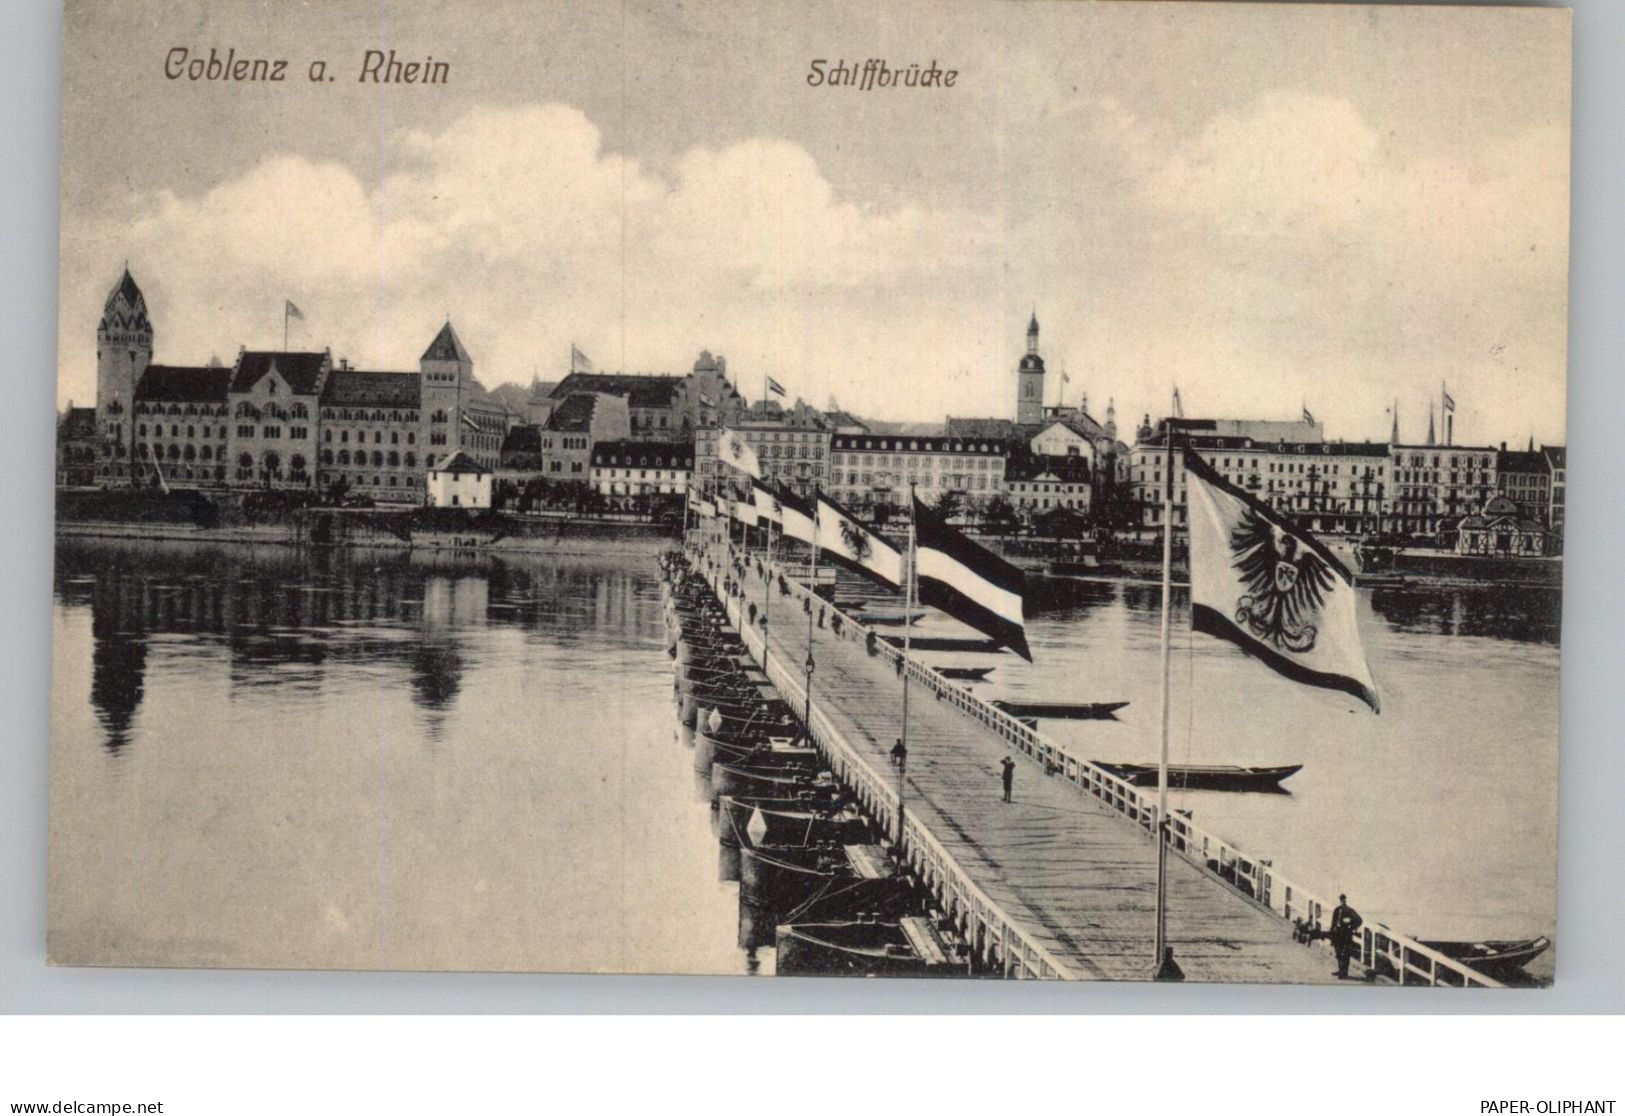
{"points": [[1590, 969]]}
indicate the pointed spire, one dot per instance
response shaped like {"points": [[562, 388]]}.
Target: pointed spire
{"points": [[1531, 443], [1432, 440], [1393, 436], [1032, 332], [447, 346]]}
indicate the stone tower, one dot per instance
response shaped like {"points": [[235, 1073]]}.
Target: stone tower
{"points": [[123, 351], [1030, 380], [447, 383]]}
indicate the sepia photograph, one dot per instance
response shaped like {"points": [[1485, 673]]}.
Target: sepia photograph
{"points": [[990, 490]]}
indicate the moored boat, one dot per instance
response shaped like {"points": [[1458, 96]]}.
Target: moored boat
{"points": [[1199, 776], [1060, 710], [1498, 960], [910, 946]]}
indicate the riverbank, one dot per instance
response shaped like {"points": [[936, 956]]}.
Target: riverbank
{"points": [[391, 531]]}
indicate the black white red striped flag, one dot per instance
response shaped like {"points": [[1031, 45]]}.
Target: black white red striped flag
{"points": [[969, 582]]}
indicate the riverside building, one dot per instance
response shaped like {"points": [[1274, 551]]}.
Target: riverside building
{"points": [[283, 420]]}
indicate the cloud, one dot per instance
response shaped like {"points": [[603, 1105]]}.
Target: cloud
{"points": [[1279, 250], [519, 224]]}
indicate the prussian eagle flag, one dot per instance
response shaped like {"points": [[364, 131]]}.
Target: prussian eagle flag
{"points": [[1272, 590], [737, 452], [796, 517], [768, 509], [849, 543], [971, 584]]}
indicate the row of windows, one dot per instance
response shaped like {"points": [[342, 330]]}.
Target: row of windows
{"points": [[975, 483], [175, 409], [344, 414], [299, 411], [986, 463], [914, 446], [361, 480], [377, 437], [642, 474], [379, 458], [175, 431]]}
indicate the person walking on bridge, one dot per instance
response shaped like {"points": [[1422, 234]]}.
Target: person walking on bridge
{"points": [[1008, 775], [1346, 922]]}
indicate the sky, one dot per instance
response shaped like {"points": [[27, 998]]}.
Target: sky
{"points": [[1272, 207]]}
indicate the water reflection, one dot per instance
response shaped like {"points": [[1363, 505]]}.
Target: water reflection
{"points": [[283, 796], [118, 674], [282, 618], [1525, 614]]}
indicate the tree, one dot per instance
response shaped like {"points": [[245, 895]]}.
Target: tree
{"points": [[1000, 515], [949, 504]]}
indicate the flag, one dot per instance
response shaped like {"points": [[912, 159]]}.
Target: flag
{"points": [[1449, 403], [796, 518], [768, 508], [1179, 408], [775, 387], [468, 421], [744, 511], [704, 508], [1307, 417], [579, 361], [289, 310], [1272, 590], [732, 448], [849, 543], [971, 584]]}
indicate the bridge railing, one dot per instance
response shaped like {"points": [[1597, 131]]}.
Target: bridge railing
{"points": [[1255, 878]]}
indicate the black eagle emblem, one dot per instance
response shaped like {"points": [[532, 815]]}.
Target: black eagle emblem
{"points": [[855, 539], [1287, 583]]}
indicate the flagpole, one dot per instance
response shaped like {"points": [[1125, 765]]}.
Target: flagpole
{"points": [[1160, 936], [284, 325], [812, 582], [908, 627]]}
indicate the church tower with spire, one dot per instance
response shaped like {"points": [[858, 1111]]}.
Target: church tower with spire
{"points": [[123, 351], [1030, 380]]}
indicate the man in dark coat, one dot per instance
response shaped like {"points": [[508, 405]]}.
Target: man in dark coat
{"points": [[1346, 922], [1008, 774]]}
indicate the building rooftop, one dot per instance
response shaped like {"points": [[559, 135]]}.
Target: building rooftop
{"points": [[170, 383], [301, 371], [1064, 470], [459, 463], [640, 391], [79, 422], [574, 413], [348, 387], [447, 346]]}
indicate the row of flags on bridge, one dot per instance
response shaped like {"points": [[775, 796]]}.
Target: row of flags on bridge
{"points": [[1258, 582]]}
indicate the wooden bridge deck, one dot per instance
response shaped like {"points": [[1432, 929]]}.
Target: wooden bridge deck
{"points": [[1079, 879]]}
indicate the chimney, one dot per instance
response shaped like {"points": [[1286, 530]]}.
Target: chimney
{"points": [[1503, 447]]}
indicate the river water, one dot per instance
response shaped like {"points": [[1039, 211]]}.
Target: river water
{"points": [[384, 761], [1438, 816], [377, 761]]}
